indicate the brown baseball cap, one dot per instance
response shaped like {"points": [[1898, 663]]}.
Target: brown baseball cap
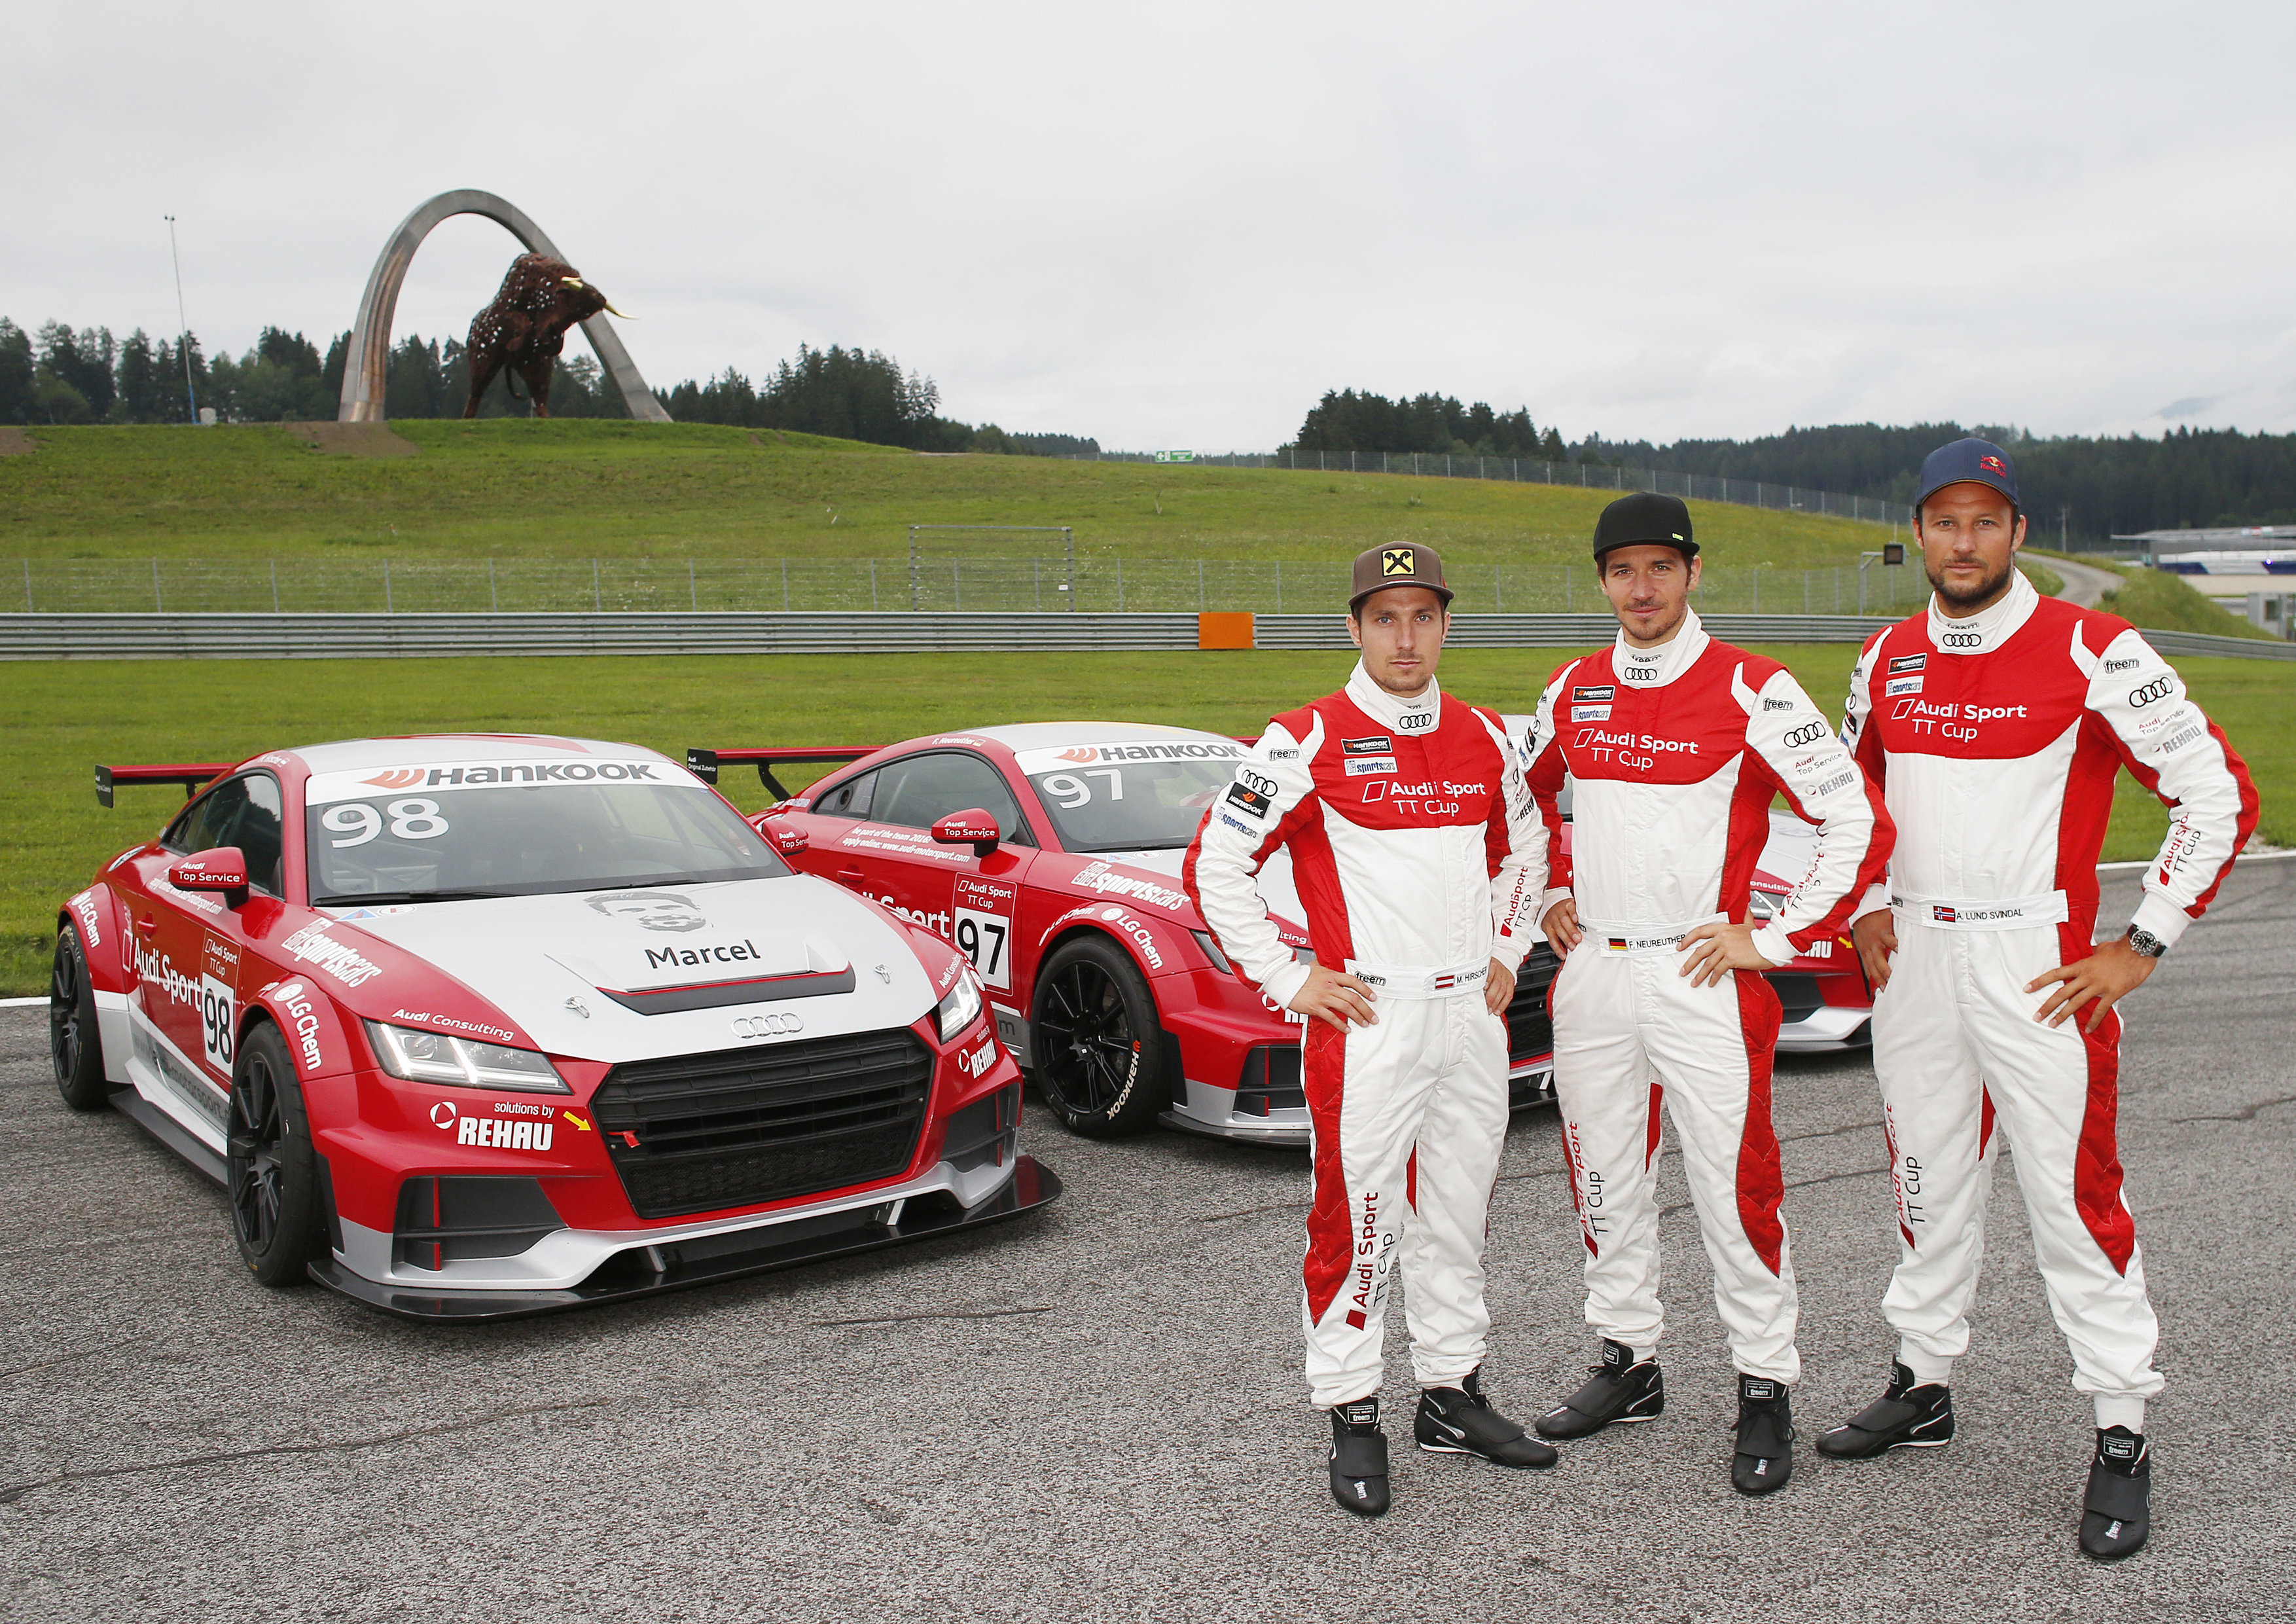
{"points": [[1403, 563]]}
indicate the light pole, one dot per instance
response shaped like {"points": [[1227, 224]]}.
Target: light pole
{"points": [[182, 322], [1892, 554]]}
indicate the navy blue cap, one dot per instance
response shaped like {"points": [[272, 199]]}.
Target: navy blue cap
{"points": [[1972, 461]]}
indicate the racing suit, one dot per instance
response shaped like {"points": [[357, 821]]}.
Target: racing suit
{"points": [[1676, 752], [1996, 740], [1417, 857]]}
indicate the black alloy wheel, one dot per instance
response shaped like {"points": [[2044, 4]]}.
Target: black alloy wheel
{"points": [[74, 1043], [270, 1173], [1100, 1049]]}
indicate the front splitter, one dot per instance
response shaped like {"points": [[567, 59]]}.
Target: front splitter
{"points": [[1031, 1185]]}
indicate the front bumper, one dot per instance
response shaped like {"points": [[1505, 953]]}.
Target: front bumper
{"points": [[700, 1256]]}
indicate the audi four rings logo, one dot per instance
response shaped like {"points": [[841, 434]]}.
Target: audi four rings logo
{"points": [[746, 1027], [1809, 732], [1962, 639], [2157, 689]]}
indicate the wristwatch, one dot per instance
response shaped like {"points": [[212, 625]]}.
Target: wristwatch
{"points": [[2143, 941]]}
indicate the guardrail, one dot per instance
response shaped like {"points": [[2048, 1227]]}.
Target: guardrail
{"points": [[293, 637]]}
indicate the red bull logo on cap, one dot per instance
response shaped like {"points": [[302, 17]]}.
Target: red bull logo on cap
{"points": [[1994, 464]]}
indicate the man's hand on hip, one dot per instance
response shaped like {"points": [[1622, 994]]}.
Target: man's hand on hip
{"points": [[2107, 975], [1498, 991], [1875, 937], [1561, 926], [1330, 997], [1713, 951]]}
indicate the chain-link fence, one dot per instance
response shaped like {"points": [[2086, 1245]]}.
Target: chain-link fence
{"points": [[941, 584], [1524, 470]]}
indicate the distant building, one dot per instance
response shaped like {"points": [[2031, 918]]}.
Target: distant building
{"points": [[2259, 549]]}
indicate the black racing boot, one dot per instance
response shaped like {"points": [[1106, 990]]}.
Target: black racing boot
{"points": [[1766, 1434], [2118, 1511], [1460, 1421], [1622, 1389], [1910, 1416], [1359, 1457]]}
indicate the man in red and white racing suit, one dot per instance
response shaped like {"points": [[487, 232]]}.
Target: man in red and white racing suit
{"points": [[1419, 860], [1677, 745], [1995, 721]]}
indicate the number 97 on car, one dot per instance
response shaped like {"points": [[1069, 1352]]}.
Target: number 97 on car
{"points": [[983, 919]]}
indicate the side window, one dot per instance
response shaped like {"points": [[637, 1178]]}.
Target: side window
{"points": [[206, 822], [848, 800], [256, 834], [919, 791]]}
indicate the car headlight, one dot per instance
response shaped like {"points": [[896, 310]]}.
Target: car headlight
{"points": [[461, 1062], [960, 1009]]}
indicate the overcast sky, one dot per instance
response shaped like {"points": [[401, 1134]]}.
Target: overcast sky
{"points": [[1171, 225]]}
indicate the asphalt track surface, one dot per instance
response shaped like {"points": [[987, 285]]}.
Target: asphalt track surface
{"points": [[1096, 1413]]}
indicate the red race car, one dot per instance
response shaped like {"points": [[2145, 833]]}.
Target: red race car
{"points": [[479, 1026], [1049, 853]]}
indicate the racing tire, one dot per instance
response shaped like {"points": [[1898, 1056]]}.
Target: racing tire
{"points": [[271, 1174], [75, 1041], [1100, 1049]]}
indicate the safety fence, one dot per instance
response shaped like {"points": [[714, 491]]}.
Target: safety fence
{"points": [[313, 636], [936, 584], [1526, 471]]}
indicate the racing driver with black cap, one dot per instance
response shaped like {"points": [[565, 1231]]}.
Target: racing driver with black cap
{"points": [[1677, 745], [1995, 722], [1418, 859]]}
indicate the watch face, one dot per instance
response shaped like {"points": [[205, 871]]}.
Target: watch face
{"points": [[2146, 943]]}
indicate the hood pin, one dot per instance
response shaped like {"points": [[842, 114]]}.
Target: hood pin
{"points": [[884, 975], [579, 1008]]}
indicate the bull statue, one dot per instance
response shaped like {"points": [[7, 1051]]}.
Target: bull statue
{"points": [[525, 328]]}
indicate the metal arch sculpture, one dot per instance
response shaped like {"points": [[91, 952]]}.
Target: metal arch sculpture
{"points": [[369, 351]]}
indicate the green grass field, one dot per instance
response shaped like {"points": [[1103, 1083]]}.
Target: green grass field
{"points": [[58, 720], [518, 489]]}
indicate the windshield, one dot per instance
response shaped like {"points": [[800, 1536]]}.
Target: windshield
{"points": [[421, 838], [1130, 797]]}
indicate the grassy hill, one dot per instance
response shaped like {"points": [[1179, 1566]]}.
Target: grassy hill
{"points": [[516, 488], [61, 719]]}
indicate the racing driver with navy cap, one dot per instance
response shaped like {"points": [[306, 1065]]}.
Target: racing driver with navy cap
{"points": [[1995, 722], [1420, 862], [1676, 743]]}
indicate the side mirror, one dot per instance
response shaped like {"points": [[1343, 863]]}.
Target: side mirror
{"points": [[972, 827], [223, 868], [784, 838]]}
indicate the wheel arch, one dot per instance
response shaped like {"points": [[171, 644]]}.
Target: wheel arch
{"points": [[95, 914]]}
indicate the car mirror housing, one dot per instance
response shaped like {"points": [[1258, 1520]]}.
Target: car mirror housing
{"points": [[221, 868], [972, 827], [787, 838]]}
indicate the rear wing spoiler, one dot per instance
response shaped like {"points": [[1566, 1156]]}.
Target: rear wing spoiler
{"points": [[705, 764], [191, 775]]}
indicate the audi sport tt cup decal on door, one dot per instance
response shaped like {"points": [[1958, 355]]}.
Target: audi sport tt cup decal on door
{"points": [[984, 929]]}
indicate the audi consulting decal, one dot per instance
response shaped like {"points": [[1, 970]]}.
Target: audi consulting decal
{"points": [[750, 1027], [452, 1024]]}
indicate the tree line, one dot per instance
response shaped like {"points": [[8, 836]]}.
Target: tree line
{"points": [[57, 375], [1346, 420], [2071, 485]]}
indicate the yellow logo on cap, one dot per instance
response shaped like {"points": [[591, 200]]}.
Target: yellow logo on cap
{"points": [[1397, 561]]}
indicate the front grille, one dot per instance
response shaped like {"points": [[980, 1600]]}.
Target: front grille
{"points": [[698, 1133], [1530, 1034], [1799, 998]]}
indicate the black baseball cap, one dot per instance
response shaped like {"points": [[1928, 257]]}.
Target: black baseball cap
{"points": [[1645, 517], [1402, 564], [1975, 462]]}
